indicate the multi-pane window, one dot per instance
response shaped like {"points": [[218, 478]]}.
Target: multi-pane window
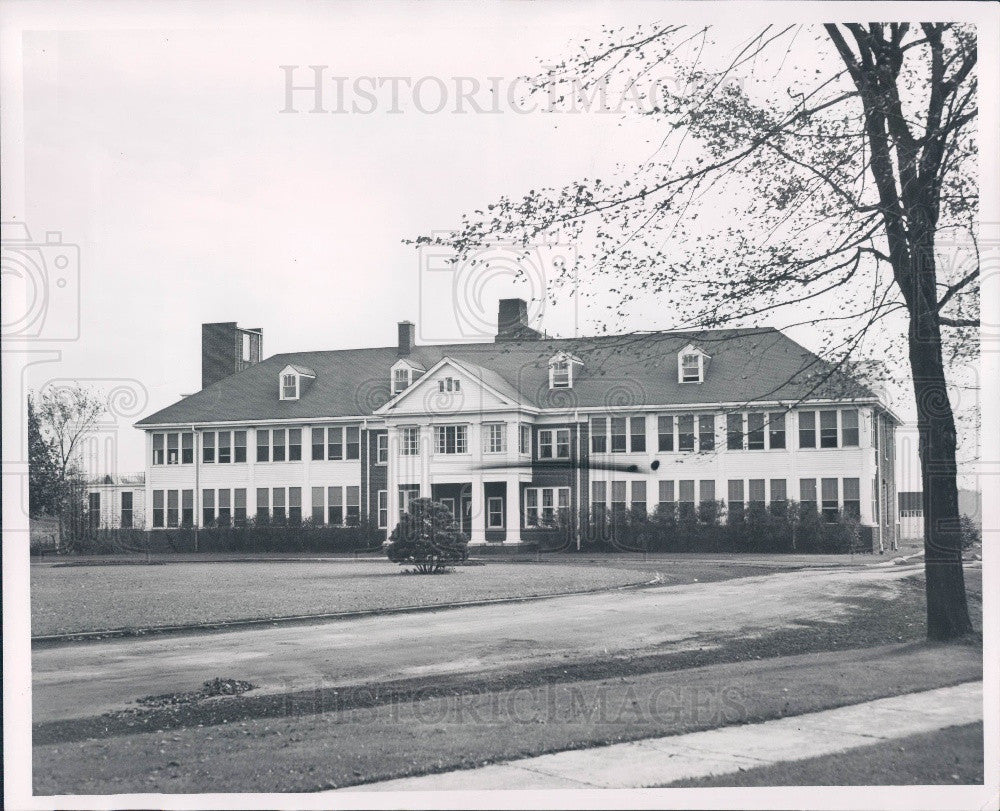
{"points": [[619, 438], [383, 509], [173, 508], [225, 447], [560, 374], [685, 497], [295, 505], [494, 437], [352, 441], [639, 497], [690, 368], [208, 447], [852, 498], [187, 508], [173, 448], [278, 445], [294, 444], [207, 508], [158, 508], [831, 498], [828, 429], [410, 445], [263, 445], [335, 442], [619, 496], [126, 510], [278, 514], [318, 443], [779, 495], [494, 512], [755, 431], [665, 433], [263, 504], [317, 506], [450, 384], [381, 449], [335, 508], [289, 387], [240, 506], [94, 509], [543, 505], [666, 494], [706, 432], [755, 494], [225, 508], [353, 502], [525, 439], [734, 432], [685, 432], [553, 443], [239, 446], [407, 492], [598, 497], [598, 435], [776, 430], [637, 434], [735, 500], [451, 439], [706, 491], [400, 380], [849, 427], [807, 429], [807, 495]]}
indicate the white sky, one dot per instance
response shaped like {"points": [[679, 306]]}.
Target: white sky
{"points": [[154, 142]]}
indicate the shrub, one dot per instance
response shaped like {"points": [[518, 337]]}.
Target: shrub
{"points": [[427, 538], [970, 532]]}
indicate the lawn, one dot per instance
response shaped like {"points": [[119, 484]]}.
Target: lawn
{"points": [[67, 599], [949, 756]]}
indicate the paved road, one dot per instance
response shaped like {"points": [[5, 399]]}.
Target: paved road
{"points": [[85, 679]]}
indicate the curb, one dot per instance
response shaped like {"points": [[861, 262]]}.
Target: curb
{"points": [[53, 640]]}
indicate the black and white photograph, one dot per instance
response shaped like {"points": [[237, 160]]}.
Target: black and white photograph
{"points": [[500, 404]]}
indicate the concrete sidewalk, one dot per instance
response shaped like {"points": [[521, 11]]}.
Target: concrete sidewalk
{"points": [[658, 761]]}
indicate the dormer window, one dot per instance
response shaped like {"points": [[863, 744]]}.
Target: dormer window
{"points": [[292, 381], [691, 365], [561, 368], [404, 373]]}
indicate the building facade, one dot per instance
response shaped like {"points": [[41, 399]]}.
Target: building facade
{"points": [[117, 502], [515, 434]]}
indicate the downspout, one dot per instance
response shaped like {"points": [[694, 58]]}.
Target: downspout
{"points": [[197, 485], [579, 495], [368, 471]]}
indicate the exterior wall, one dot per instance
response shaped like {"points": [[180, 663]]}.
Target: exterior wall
{"points": [[110, 516]]}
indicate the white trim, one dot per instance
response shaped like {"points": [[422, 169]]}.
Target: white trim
{"points": [[398, 398]]}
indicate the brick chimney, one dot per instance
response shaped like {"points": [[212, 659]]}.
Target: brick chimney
{"points": [[407, 335], [512, 321], [227, 349]]}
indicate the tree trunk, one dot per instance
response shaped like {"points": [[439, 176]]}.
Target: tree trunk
{"points": [[947, 609]]}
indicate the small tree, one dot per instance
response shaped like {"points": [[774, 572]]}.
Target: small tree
{"points": [[45, 486], [427, 538]]}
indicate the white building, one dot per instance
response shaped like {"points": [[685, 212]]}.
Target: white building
{"points": [[512, 433], [117, 502]]}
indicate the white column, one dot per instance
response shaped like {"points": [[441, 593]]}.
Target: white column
{"points": [[478, 534], [392, 479], [512, 504]]}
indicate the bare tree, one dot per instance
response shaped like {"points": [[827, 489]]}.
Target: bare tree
{"points": [[66, 415], [827, 199]]}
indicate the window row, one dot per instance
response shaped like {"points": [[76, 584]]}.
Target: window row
{"points": [[749, 430], [335, 506], [454, 439], [273, 445], [545, 506], [827, 495]]}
